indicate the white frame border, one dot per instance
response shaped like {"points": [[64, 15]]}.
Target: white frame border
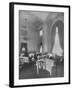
{"points": [[16, 46]]}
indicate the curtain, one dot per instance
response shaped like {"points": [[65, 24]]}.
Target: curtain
{"points": [[61, 36], [53, 32], [60, 26]]}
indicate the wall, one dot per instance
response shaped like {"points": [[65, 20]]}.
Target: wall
{"points": [[29, 30]]}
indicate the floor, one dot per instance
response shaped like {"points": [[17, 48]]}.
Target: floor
{"points": [[29, 71]]}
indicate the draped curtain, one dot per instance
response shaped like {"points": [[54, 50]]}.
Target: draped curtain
{"points": [[53, 32], [61, 36], [60, 26]]}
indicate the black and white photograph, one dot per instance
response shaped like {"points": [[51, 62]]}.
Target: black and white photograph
{"points": [[41, 44]]}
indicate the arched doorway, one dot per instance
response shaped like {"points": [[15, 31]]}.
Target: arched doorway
{"points": [[57, 36]]}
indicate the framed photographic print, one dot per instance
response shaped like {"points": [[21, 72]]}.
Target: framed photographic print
{"points": [[39, 44]]}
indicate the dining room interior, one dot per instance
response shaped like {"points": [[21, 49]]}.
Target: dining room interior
{"points": [[41, 44]]}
